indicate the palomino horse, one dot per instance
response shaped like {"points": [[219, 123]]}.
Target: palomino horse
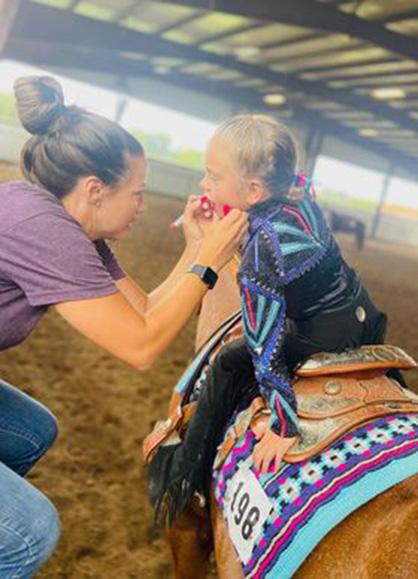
{"points": [[380, 539]]}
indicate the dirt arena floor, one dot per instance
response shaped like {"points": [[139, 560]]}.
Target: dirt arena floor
{"points": [[94, 474]]}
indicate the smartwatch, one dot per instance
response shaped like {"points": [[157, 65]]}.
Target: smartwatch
{"points": [[206, 274]]}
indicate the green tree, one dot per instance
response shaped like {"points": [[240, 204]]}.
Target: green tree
{"points": [[8, 112]]}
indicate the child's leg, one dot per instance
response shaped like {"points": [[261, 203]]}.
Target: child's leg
{"points": [[181, 470]]}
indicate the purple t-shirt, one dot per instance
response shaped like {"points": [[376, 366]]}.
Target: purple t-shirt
{"points": [[45, 258]]}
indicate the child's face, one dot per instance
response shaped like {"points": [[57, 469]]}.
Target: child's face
{"points": [[222, 182]]}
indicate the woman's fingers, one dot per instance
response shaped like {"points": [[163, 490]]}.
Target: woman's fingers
{"points": [[236, 221], [195, 202], [222, 237], [191, 207], [235, 216], [197, 218]]}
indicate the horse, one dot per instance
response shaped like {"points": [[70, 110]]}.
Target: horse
{"points": [[345, 223], [378, 539]]}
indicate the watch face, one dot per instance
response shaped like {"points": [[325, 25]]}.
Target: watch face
{"points": [[207, 275], [210, 277]]}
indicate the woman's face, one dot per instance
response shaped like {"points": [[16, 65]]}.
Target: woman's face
{"points": [[121, 205], [222, 182]]}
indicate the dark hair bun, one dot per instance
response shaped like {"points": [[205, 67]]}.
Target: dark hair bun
{"points": [[40, 102]]}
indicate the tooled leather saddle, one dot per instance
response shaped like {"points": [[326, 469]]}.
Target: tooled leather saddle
{"points": [[336, 392]]}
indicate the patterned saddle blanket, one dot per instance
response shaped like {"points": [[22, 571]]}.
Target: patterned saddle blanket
{"points": [[276, 520]]}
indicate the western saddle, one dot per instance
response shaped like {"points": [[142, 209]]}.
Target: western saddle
{"points": [[336, 392]]}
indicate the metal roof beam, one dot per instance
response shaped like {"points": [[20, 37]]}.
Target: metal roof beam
{"points": [[45, 54], [365, 76], [313, 14], [37, 22], [180, 23], [333, 67], [309, 36], [312, 54], [399, 16], [230, 33]]}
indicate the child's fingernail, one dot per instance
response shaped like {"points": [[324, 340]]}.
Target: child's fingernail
{"points": [[226, 209]]}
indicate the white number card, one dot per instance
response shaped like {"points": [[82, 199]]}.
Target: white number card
{"points": [[246, 509]]}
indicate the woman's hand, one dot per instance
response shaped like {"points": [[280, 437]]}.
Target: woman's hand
{"points": [[197, 217], [222, 238], [270, 448]]}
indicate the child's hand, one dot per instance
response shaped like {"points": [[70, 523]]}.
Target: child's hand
{"points": [[271, 447]]}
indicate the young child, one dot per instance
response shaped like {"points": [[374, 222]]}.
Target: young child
{"points": [[298, 295]]}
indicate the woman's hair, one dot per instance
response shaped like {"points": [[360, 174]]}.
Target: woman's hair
{"points": [[68, 142], [265, 149]]}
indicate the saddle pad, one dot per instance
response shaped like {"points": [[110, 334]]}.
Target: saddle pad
{"points": [[193, 371], [309, 498]]}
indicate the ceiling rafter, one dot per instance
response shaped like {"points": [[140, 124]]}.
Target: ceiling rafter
{"points": [[182, 22], [399, 16], [346, 65], [230, 33], [309, 36], [314, 53], [313, 15], [365, 76], [42, 53], [125, 12], [374, 85], [35, 22]]}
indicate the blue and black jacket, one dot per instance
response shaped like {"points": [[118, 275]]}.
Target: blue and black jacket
{"points": [[292, 270]]}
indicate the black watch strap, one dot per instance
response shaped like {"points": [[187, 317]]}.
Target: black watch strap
{"points": [[206, 274]]}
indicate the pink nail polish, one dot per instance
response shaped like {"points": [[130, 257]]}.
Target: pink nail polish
{"points": [[226, 209]]}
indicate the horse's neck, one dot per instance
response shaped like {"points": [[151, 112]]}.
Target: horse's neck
{"points": [[219, 303]]}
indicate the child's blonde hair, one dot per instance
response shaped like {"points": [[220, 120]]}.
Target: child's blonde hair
{"points": [[265, 149]]}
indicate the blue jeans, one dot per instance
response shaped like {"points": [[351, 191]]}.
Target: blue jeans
{"points": [[29, 523]]}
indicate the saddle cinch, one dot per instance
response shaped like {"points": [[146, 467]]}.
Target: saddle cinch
{"points": [[336, 392]]}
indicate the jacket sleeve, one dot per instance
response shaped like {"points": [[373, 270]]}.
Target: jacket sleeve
{"points": [[264, 314]]}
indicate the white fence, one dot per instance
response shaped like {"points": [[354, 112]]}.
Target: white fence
{"points": [[177, 181]]}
